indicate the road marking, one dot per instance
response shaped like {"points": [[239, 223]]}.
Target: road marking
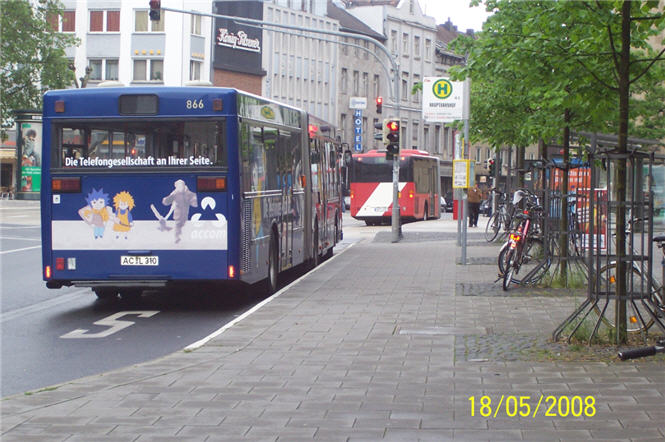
{"points": [[20, 250], [200, 343], [45, 305], [18, 238], [114, 324]]}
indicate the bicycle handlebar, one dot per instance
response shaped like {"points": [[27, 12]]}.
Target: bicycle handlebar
{"points": [[642, 351]]}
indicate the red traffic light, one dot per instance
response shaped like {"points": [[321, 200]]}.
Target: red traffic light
{"points": [[393, 125], [379, 100], [379, 105]]}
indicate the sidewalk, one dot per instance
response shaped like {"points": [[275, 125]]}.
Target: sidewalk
{"points": [[384, 341]]}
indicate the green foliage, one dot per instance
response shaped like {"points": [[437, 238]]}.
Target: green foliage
{"points": [[536, 61], [32, 56]]}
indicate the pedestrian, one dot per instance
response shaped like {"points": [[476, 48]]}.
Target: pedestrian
{"points": [[474, 197]]}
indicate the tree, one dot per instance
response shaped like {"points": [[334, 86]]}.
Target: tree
{"points": [[575, 62], [32, 59]]}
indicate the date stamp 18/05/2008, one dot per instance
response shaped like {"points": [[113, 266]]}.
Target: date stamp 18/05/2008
{"points": [[523, 406]]}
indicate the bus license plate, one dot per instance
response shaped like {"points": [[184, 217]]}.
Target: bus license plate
{"points": [[139, 260]]}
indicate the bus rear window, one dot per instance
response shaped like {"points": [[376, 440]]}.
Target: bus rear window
{"points": [[378, 170], [130, 144]]}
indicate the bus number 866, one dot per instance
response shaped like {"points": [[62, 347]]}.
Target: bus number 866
{"points": [[194, 104]]}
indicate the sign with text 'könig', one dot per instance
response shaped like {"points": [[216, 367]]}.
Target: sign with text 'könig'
{"points": [[444, 101]]}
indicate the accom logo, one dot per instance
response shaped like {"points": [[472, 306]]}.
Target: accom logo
{"points": [[442, 88]]}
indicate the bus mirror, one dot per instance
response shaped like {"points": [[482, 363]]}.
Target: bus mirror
{"points": [[347, 157]]}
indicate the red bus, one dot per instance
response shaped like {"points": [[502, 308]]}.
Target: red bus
{"points": [[372, 186]]}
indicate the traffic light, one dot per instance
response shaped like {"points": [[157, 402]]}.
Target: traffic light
{"points": [[155, 10], [490, 165], [379, 105], [391, 136]]}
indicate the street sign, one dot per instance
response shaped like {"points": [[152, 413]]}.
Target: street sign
{"points": [[463, 174], [357, 103], [444, 101]]}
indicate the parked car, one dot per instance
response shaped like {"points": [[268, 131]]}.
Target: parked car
{"points": [[447, 202]]}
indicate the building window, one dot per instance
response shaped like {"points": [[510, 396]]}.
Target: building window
{"points": [[104, 21], [143, 24], [425, 144], [68, 21], [195, 70], [365, 88], [416, 46], [96, 70], [437, 139], [405, 44], [416, 96], [414, 135], [196, 25], [153, 66], [345, 80], [377, 86], [428, 49], [405, 89], [356, 81], [345, 47], [394, 42], [63, 23], [103, 69]]}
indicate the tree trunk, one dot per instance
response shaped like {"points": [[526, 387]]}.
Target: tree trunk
{"points": [[623, 69]]}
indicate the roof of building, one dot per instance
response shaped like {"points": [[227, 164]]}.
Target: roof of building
{"points": [[349, 23]]}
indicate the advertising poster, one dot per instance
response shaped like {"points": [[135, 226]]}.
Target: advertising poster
{"points": [[31, 158]]}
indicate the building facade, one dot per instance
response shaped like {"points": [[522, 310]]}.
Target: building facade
{"points": [[119, 42]]}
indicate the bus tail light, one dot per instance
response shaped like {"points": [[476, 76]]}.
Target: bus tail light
{"points": [[59, 106], [66, 185], [60, 263], [211, 184], [411, 194], [232, 272], [47, 272]]}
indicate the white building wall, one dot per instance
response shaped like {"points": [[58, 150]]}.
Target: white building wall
{"points": [[174, 45], [301, 66]]}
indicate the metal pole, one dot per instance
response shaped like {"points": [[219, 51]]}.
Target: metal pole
{"points": [[465, 200]]}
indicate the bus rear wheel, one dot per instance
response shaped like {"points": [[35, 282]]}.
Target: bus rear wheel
{"points": [[105, 293]]}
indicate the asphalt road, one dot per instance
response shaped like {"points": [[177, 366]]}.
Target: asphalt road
{"points": [[54, 336]]}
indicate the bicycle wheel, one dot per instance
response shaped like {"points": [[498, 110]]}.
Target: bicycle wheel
{"points": [[510, 268], [502, 261], [492, 227], [638, 318], [535, 263]]}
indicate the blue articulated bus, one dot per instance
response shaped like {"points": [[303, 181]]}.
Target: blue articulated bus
{"points": [[152, 187]]}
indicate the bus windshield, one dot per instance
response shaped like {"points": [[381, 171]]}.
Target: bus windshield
{"points": [[132, 143], [377, 170]]}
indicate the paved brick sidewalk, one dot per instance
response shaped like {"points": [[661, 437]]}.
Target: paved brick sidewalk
{"points": [[383, 342]]}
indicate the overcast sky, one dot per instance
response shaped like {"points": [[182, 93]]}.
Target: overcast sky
{"points": [[461, 14]]}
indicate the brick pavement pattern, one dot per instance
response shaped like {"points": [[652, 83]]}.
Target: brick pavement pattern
{"points": [[370, 346]]}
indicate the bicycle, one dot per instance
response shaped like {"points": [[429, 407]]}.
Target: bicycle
{"points": [[525, 251], [500, 218], [649, 307]]}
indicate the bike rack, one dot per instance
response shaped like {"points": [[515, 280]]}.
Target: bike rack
{"points": [[598, 216]]}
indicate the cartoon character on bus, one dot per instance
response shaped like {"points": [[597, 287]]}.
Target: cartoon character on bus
{"points": [[123, 221], [180, 200], [97, 212]]}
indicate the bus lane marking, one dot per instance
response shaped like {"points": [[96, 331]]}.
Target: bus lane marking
{"points": [[113, 322]]}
